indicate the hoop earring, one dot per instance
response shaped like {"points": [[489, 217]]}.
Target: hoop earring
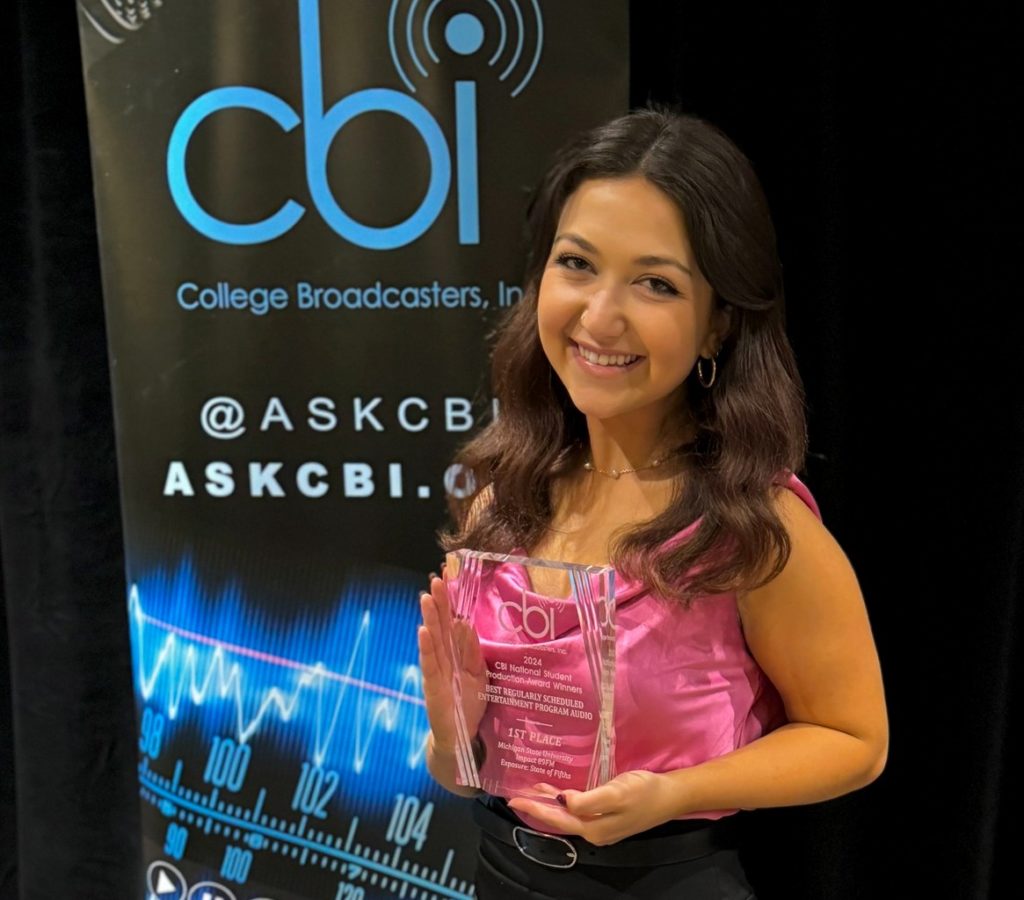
{"points": [[706, 382]]}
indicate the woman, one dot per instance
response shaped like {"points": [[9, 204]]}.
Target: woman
{"points": [[651, 417]]}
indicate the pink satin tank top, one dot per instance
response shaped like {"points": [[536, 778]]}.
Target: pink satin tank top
{"points": [[686, 686]]}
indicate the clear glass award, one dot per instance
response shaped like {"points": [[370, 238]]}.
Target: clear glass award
{"points": [[533, 673]]}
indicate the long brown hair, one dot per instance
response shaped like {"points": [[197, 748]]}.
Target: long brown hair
{"points": [[751, 424]]}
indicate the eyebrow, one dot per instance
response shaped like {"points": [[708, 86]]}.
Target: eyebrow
{"points": [[584, 244]]}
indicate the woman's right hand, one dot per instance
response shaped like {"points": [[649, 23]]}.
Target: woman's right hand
{"points": [[439, 630]]}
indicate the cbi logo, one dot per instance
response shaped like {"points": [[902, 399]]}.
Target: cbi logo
{"points": [[464, 34], [536, 621]]}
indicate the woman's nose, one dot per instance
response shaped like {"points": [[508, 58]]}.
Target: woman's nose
{"points": [[603, 316]]}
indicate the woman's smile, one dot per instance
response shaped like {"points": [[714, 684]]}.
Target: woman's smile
{"points": [[604, 364]]}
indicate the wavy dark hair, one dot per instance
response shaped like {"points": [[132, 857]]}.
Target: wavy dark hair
{"points": [[750, 426]]}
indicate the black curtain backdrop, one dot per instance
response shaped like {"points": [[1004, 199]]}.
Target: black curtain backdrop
{"points": [[883, 140]]}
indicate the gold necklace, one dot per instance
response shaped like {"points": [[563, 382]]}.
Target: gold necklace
{"points": [[653, 464]]}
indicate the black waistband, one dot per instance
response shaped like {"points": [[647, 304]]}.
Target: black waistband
{"points": [[673, 842]]}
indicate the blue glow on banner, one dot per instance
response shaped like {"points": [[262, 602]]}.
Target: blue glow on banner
{"points": [[338, 690]]}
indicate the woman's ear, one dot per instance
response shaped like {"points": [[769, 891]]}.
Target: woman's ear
{"points": [[723, 323], [721, 327]]}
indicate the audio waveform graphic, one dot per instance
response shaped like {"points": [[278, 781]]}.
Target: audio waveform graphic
{"points": [[340, 690]]}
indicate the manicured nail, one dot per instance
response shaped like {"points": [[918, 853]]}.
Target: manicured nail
{"points": [[561, 799], [432, 576]]}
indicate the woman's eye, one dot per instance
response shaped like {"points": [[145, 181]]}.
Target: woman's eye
{"points": [[571, 261], [660, 286]]}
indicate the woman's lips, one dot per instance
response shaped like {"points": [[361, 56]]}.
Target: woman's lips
{"points": [[602, 371]]}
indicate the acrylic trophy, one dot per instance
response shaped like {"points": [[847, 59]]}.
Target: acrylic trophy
{"points": [[533, 675]]}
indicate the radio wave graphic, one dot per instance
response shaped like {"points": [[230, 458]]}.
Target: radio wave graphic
{"points": [[268, 679], [107, 17], [465, 33]]}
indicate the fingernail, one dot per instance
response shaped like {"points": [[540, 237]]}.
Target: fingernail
{"points": [[432, 576], [561, 799]]}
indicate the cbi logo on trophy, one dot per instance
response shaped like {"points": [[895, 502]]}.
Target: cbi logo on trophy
{"points": [[464, 33]]}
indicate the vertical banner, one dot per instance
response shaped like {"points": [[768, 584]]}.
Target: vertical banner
{"points": [[310, 215]]}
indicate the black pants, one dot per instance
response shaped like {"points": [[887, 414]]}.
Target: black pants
{"points": [[503, 873]]}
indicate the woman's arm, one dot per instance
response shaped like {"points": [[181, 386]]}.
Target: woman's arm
{"points": [[808, 629]]}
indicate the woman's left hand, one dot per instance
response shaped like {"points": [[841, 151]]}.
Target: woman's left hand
{"points": [[628, 804]]}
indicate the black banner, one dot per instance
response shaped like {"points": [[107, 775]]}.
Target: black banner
{"points": [[310, 215]]}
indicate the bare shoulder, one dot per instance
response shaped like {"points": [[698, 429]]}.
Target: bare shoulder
{"points": [[808, 629], [817, 565]]}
